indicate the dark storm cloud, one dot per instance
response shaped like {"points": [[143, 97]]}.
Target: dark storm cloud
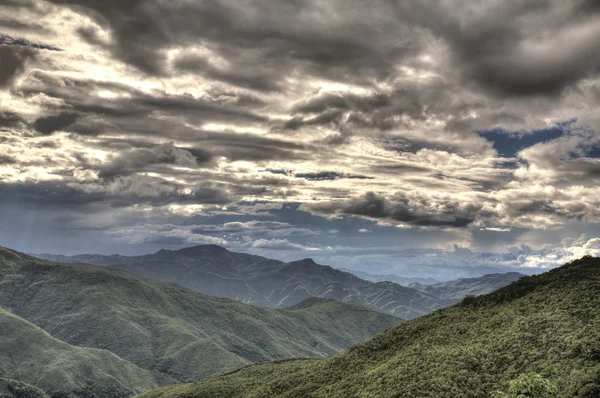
{"points": [[495, 45], [505, 46], [137, 160], [116, 192], [79, 95], [11, 120], [18, 3], [10, 23], [13, 61], [408, 103], [253, 81], [50, 124], [399, 208], [137, 113], [258, 33], [4, 159]]}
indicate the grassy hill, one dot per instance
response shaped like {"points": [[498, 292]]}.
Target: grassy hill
{"points": [[169, 329], [214, 270], [548, 324], [29, 354]]}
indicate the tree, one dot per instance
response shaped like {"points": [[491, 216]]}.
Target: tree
{"points": [[530, 385]]}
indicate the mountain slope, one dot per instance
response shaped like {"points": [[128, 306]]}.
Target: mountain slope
{"points": [[169, 329], [549, 324], [461, 288], [29, 354], [257, 280], [404, 281], [15, 389]]}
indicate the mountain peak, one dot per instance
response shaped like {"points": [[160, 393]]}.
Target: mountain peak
{"points": [[202, 250], [304, 261]]}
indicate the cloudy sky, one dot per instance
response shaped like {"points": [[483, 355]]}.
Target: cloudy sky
{"points": [[425, 138]]}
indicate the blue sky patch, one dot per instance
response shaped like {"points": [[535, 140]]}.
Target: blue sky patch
{"points": [[509, 143]]}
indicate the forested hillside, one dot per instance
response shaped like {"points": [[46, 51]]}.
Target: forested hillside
{"points": [[547, 324]]}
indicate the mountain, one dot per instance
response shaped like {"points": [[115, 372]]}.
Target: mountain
{"points": [[170, 330], [15, 389], [454, 290], [548, 324], [214, 270], [461, 288], [401, 280], [29, 354]]}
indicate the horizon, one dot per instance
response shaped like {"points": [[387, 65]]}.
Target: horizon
{"points": [[526, 272]]}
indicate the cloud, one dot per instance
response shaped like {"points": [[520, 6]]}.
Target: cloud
{"points": [[142, 159], [281, 244], [400, 208], [164, 234], [467, 124], [11, 120], [50, 124], [13, 61]]}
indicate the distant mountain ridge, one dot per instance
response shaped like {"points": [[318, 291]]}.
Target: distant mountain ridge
{"points": [[163, 332], [401, 280], [547, 324], [252, 279], [461, 288]]}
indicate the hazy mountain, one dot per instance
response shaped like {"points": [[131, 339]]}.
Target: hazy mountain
{"points": [[549, 324], [29, 354], [461, 288], [257, 280], [401, 280], [169, 329]]}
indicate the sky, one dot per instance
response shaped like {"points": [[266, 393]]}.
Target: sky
{"points": [[420, 138]]}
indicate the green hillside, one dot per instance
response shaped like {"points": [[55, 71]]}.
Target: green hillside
{"points": [[16, 389], [29, 354], [548, 324], [169, 329]]}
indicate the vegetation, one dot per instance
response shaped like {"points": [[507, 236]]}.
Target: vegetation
{"points": [[16, 389], [530, 385], [171, 331], [547, 324], [29, 354]]}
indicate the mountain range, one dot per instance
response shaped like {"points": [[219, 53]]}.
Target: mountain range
{"points": [[548, 324], [216, 271], [454, 290], [461, 288], [401, 280], [88, 331]]}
